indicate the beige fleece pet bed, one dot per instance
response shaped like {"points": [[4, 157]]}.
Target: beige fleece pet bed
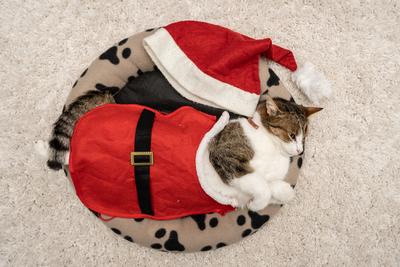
{"points": [[124, 61]]}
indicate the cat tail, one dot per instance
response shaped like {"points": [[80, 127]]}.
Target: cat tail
{"points": [[58, 146], [59, 141]]}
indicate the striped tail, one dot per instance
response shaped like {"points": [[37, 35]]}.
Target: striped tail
{"points": [[63, 127]]}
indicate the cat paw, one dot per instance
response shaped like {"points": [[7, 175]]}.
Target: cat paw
{"points": [[282, 192], [237, 203], [234, 203], [256, 205]]}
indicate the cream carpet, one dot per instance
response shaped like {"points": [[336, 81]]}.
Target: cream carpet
{"points": [[347, 208]]}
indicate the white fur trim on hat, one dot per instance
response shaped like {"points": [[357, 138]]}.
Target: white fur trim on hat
{"points": [[193, 83], [312, 82]]}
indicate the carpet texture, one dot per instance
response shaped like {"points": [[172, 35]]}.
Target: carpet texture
{"points": [[347, 207]]}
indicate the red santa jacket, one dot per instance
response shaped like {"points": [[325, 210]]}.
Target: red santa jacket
{"points": [[101, 167]]}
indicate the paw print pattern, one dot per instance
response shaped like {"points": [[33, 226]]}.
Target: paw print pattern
{"points": [[126, 52], [213, 222], [111, 54], [168, 240], [208, 247], [118, 232], [273, 78], [171, 244], [256, 222], [200, 221]]}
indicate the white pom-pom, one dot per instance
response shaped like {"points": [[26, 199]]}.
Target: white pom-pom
{"points": [[312, 82], [42, 148]]}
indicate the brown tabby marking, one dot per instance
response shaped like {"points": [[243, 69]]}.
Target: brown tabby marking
{"points": [[230, 152], [284, 119]]}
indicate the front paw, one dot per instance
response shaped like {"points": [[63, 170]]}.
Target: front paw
{"points": [[282, 192], [234, 203], [257, 204], [237, 203]]}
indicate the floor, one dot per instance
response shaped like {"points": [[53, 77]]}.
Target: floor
{"points": [[347, 207]]}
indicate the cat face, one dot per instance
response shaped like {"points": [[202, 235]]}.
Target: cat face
{"points": [[288, 122]]}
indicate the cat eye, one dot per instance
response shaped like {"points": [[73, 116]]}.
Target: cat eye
{"points": [[292, 136]]}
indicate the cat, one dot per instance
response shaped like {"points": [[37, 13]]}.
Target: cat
{"points": [[253, 155], [254, 161]]}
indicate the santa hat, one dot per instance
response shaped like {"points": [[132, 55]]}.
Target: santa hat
{"points": [[213, 65]]}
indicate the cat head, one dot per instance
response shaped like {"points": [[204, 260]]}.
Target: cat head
{"points": [[287, 121]]}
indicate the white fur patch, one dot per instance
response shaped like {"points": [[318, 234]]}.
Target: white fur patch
{"points": [[42, 148]]}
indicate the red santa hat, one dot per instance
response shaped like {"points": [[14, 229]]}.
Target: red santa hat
{"points": [[213, 65]]}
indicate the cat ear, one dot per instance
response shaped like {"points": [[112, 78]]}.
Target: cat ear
{"points": [[311, 110], [272, 108]]}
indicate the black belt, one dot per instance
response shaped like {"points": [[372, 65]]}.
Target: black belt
{"points": [[142, 159]]}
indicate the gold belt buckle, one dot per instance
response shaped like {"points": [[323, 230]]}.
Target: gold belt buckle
{"points": [[142, 153]]}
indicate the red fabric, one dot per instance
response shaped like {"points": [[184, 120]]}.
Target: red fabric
{"points": [[104, 178], [281, 56], [226, 55]]}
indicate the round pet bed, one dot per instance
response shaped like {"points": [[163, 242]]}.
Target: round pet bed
{"points": [[125, 63]]}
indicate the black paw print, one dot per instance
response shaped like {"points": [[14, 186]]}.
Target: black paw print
{"points": [[171, 244]]}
